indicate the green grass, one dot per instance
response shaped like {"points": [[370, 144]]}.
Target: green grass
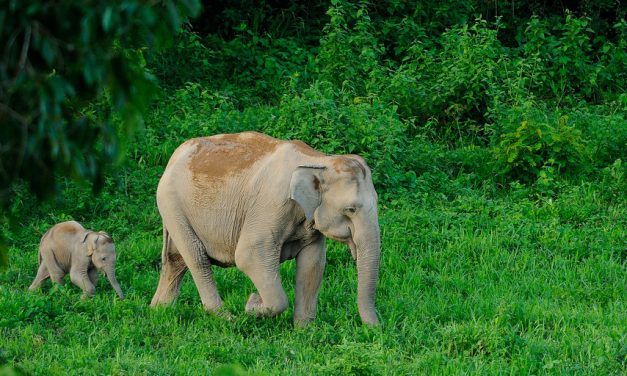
{"points": [[476, 283], [499, 163]]}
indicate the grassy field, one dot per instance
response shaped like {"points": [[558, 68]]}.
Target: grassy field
{"points": [[477, 282], [498, 149]]}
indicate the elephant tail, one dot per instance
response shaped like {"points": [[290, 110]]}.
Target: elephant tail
{"points": [[172, 270], [166, 245]]}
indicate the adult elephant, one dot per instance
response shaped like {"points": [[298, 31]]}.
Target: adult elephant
{"points": [[252, 201]]}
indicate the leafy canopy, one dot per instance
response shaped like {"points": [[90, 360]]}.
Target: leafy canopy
{"points": [[58, 57]]}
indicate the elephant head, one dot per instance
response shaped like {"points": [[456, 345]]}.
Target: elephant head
{"points": [[100, 248], [338, 195]]}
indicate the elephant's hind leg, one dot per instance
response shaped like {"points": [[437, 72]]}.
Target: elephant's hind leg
{"points": [[55, 271], [195, 257], [42, 275], [172, 272]]}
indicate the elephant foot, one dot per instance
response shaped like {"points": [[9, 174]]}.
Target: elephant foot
{"points": [[155, 302], [254, 304], [302, 322], [86, 296], [222, 313]]}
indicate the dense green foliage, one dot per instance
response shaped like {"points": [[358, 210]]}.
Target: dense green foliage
{"points": [[497, 136], [57, 57]]}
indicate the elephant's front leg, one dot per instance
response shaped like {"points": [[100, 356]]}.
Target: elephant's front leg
{"points": [[310, 264], [93, 276], [80, 277], [260, 262]]}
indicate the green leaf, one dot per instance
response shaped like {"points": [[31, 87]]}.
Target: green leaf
{"points": [[106, 19]]}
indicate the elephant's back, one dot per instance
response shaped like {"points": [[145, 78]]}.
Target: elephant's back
{"points": [[214, 161], [64, 232], [58, 232], [61, 239], [221, 156], [208, 172]]}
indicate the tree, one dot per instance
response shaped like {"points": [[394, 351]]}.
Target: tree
{"points": [[58, 57]]}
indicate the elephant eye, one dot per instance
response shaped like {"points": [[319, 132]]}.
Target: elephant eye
{"points": [[350, 210], [104, 258]]}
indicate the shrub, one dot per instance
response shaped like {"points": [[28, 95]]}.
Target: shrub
{"points": [[349, 54], [613, 181], [605, 131], [613, 58], [193, 111], [570, 62], [529, 140], [254, 69], [450, 86]]}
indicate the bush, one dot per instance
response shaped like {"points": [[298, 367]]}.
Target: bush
{"points": [[530, 140], [457, 96], [570, 63], [450, 87], [349, 54], [604, 129], [193, 111], [613, 182]]}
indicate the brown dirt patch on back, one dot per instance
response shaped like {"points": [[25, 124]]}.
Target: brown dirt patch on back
{"points": [[218, 156]]}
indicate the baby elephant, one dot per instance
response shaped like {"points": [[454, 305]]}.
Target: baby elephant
{"points": [[69, 248]]}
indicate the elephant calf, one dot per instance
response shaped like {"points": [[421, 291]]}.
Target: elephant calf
{"points": [[69, 248], [252, 201]]}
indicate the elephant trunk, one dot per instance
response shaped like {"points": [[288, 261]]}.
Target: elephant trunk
{"points": [[110, 273], [368, 244]]}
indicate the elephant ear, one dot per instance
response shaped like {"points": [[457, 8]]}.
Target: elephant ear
{"points": [[360, 162], [305, 188], [91, 245], [106, 236]]}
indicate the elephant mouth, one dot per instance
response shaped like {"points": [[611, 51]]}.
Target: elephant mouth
{"points": [[349, 242], [353, 248]]}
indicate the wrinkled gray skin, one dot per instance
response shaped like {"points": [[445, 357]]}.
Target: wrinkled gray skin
{"points": [[69, 248], [252, 201]]}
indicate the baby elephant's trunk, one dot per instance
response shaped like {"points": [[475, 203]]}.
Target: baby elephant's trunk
{"points": [[110, 273]]}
